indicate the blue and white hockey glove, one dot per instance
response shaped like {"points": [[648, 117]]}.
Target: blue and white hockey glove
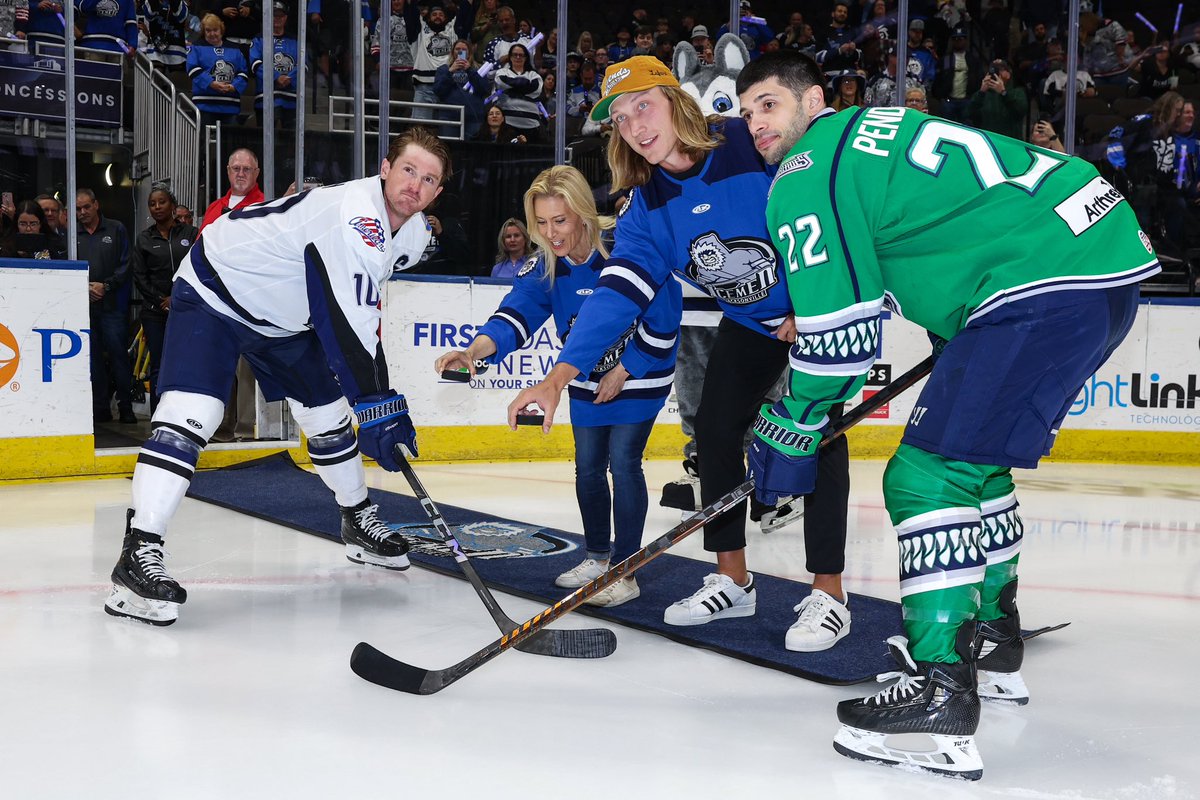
{"points": [[383, 423], [783, 460]]}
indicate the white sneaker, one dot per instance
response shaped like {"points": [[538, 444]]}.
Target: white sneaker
{"points": [[620, 592], [823, 622], [583, 574], [720, 597]]}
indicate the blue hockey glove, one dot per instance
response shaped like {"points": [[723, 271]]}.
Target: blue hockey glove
{"points": [[383, 423], [776, 475]]}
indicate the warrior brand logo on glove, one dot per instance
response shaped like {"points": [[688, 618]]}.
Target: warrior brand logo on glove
{"points": [[397, 405], [371, 231], [780, 435]]}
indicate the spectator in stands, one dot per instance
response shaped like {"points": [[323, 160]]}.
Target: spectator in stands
{"points": [[546, 54], [1031, 51], [601, 60], [1101, 58], [707, 55], [586, 94], [643, 41], [879, 22], [485, 27], [459, 84], [664, 49], [520, 88], [286, 57], [574, 62], [585, 44], [549, 102], [448, 251], [498, 49], [183, 215], [1000, 105], [847, 87], [512, 248], [329, 38], [31, 235], [917, 51], [52, 210], [699, 35], [108, 28], [10, 10], [792, 37], [45, 25], [1156, 74], [164, 32], [1054, 89], [432, 38], [496, 129], [959, 71], [836, 47], [156, 255], [1149, 146], [400, 51], [218, 74], [623, 47], [240, 412], [881, 90], [104, 244], [915, 98], [1189, 52], [1044, 135], [753, 30]]}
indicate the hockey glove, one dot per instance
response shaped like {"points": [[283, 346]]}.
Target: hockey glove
{"points": [[383, 423], [778, 476]]}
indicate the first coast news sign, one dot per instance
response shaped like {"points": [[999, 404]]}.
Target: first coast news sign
{"points": [[1152, 382]]}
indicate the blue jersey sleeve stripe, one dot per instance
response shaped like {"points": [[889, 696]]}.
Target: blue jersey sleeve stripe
{"points": [[515, 320]]}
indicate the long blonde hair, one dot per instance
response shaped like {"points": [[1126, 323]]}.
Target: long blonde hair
{"points": [[501, 253], [691, 126], [569, 184]]}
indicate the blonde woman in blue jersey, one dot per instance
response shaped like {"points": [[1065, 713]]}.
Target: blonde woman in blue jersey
{"points": [[613, 404]]}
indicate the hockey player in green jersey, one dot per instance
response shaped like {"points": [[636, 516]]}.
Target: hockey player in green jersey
{"points": [[1026, 261]]}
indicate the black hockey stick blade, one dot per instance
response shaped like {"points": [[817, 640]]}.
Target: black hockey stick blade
{"points": [[568, 643], [381, 669]]}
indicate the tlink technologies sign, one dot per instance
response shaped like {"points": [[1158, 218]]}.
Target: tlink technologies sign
{"points": [[35, 86]]}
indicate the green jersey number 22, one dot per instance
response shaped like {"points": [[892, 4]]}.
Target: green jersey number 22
{"points": [[808, 228], [927, 153]]}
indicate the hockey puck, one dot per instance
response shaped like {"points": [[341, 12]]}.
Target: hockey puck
{"points": [[531, 419], [456, 375]]}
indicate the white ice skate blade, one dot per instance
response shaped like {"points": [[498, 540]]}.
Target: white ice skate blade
{"points": [[948, 756], [360, 555], [1003, 687], [772, 522], [123, 602]]}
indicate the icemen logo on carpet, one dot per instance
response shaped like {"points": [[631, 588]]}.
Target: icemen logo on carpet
{"points": [[487, 540], [371, 231], [739, 271]]}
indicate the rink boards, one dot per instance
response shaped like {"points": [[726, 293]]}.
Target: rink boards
{"points": [[1140, 408]]}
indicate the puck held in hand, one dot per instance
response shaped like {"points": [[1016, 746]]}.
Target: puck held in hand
{"points": [[531, 419]]}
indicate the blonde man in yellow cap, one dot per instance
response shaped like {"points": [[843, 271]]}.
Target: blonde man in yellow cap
{"points": [[698, 189]]}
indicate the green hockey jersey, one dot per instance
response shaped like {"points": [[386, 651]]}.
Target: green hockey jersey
{"points": [[940, 223]]}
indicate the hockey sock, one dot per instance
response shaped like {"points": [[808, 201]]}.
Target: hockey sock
{"points": [[333, 448], [1003, 533], [180, 429], [933, 502]]}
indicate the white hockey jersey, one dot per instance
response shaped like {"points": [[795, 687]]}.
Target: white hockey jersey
{"points": [[313, 261]]}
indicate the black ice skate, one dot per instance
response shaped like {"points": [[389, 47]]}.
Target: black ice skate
{"points": [[684, 493], [1000, 650], [772, 518], [925, 721], [142, 589], [370, 541]]}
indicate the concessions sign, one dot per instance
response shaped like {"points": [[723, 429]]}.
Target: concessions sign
{"points": [[36, 86]]}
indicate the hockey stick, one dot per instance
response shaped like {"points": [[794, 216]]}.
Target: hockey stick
{"points": [[379, 668], [590, 643]]}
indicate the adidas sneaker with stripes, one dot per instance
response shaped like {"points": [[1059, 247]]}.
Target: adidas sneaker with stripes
{"points": [[718, 598]]}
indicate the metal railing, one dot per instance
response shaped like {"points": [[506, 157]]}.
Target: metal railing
{"points": [[166, 133], [449, 119]]}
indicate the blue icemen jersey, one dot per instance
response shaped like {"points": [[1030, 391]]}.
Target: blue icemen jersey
{"points": [[286, 57], [206, 64], [108, 24], [645, 347], [707, 227]]}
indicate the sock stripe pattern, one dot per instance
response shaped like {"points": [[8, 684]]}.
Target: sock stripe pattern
{"points": [[1003, 530], [192, 436], [165, 456], [334, 447], [940, 549]]}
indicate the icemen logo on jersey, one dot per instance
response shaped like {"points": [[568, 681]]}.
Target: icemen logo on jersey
{"points": [[371, 231], [612, 356], [527, 267], [222, 71], [284, 63], [487, 540], [107, 8], [739, 271]]}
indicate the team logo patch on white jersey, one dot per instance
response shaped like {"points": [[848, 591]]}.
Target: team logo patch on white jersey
{"points": [[527, 267], [371, 231], [700, 209]]}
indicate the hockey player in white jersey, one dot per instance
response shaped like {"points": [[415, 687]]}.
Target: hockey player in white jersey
{"points": [[294, 286]]}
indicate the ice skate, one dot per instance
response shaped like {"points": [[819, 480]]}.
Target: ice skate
{"points": [[142, 589], [684, 492], [370, 541], [1000, 651], [925, 721], [772, 518]]}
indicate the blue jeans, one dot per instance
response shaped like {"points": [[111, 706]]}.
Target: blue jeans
{"points": [[599, 450]]}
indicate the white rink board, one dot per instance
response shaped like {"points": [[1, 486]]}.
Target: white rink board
{"points": [[44, 349], [423, 319]]}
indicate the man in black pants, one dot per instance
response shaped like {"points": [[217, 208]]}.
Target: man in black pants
{"points": [[695, 210]]}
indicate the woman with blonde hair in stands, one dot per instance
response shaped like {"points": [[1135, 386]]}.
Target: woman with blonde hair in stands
{"points": [[512, 248], [614, 406]]}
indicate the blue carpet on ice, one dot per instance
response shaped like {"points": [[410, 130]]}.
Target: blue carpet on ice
{"points": [[275, 489]]}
